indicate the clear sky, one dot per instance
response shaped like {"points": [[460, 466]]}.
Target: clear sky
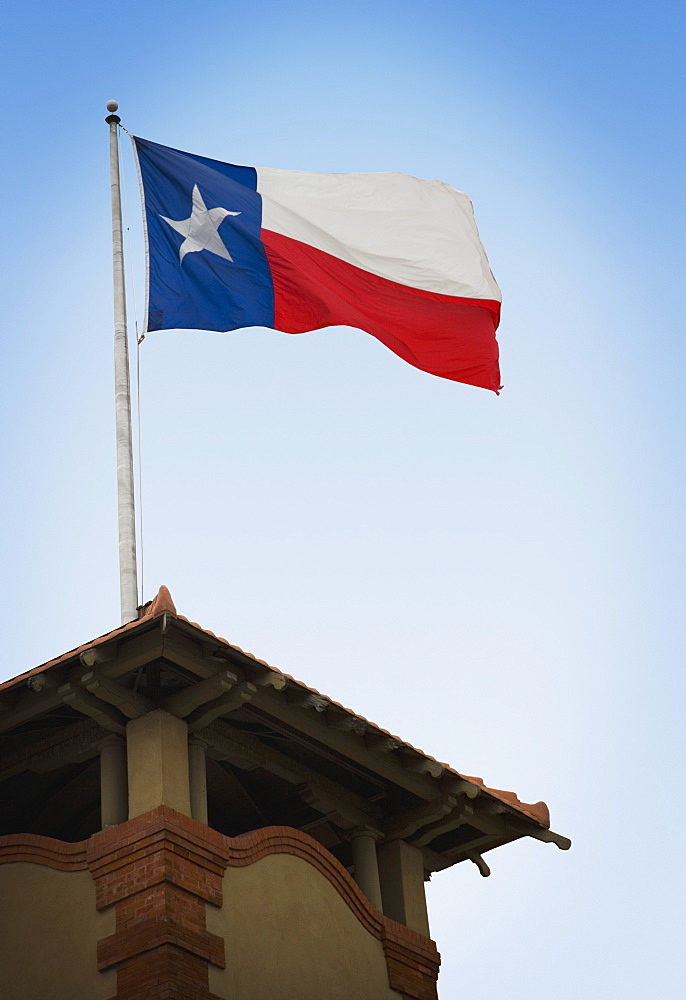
{"points": [[496, 579]]}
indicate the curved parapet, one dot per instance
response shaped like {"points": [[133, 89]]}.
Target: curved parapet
{"points": [[270, 912], [45, 851]]}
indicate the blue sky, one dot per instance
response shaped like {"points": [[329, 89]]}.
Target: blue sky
{"points": [[498, 580]]}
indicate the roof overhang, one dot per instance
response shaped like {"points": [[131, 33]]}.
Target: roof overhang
{"points": [[252, 715]]}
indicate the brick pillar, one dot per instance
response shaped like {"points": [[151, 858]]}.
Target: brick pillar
{"points": [[159, 874]]}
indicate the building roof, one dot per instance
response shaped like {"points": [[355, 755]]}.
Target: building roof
{"points": [[368, 745]]}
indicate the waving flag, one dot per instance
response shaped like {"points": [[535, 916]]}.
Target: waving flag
{"points": [[400, 258]]}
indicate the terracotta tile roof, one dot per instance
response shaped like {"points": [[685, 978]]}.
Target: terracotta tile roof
{"points": [[163, 604]]}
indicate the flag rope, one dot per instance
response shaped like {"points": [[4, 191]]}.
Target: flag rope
{"points": [[140, 461]]}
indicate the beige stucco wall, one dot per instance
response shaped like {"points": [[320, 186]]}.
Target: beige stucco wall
{"points": [[288, 933], [49, 928]]}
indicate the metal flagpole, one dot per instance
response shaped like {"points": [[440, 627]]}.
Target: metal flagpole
{"points": [[128, 577]]}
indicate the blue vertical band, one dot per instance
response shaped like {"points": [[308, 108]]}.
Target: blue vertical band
{"points": [[203, 290]]}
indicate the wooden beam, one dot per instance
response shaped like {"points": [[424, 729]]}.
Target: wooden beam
{"points": [[406, 824], [479, 845], [383, 742], [322, 831], [75, 742], [302, 698], [182, 703], [422, 765], [229, 702], [512, 827], [98, 654], [492, 825], [476, 858], [538, 833], [28, 706], [223, 746], [130, 653], [45, 697], [130, 704], [205, 658], [105, 715], [184, 644], [260, 674], [265, 677], [227, 739], [42, 682], [190, 654], [434, 862], [459, 786], [452, 821], [346, 744], [163, 637], [347, 723], [338, 810]]}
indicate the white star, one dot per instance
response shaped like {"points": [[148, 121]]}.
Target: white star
{"points": [[200, 228]]}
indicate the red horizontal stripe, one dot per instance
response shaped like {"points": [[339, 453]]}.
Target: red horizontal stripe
{"points": [[442, 334]]}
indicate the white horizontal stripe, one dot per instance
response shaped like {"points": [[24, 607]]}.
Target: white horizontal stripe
{"points": [[419, 233]]}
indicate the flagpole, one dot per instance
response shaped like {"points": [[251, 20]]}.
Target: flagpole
{"points": [[128, 577]]}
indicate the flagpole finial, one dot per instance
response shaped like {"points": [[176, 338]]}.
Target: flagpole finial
{"points": [[112, 106]]}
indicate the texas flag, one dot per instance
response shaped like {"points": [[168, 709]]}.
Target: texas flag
{"points": [[400, 258]]}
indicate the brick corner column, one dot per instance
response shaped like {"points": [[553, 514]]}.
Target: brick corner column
{"points": [[412, 961], [159, 872]]}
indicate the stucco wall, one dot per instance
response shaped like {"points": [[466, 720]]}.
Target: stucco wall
{"points": [[49, 928], [288, 933]]}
